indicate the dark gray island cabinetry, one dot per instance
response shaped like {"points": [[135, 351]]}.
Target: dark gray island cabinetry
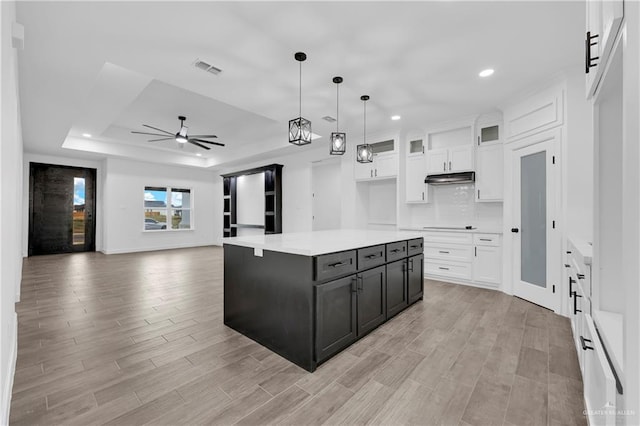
{"points": [[306, 296]]}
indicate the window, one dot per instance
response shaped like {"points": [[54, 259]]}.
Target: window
{"points": [[167, 208]]}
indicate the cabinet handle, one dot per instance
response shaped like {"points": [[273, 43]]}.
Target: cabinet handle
{"points": [[575, 303], [422, 195], [354, 285], [478, 194], [478, 140], [449, 165], [410, 265], [443, 268], [444, 166], [335, 265], [580, 276], [360, 284], [414, 247], [376, 173], [372, 256], [571, 287], [475, 251], [395, 250], [584, 345], [486, 239], [442, 251], [371, 172], [588, 60]]}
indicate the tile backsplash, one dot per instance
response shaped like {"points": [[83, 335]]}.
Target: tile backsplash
{"points": [[454, 205]]}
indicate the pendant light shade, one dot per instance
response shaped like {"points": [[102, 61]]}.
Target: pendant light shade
{"points": [[338, 139], [364, 151], [300, 128]]}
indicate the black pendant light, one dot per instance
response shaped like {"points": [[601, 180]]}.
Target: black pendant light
{"points": [[338, 139], [300, 128], [364, 151]]}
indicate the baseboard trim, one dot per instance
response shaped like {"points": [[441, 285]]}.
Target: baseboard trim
{"points": [[462, 282], [169, 247], [11, 370]]}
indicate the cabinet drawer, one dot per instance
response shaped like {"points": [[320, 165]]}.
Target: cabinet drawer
{"points": [[416, 246], [448, 237], [448, 269], [446, 252], [335, 264], [371, 256], [396, 251], [486, 239]]}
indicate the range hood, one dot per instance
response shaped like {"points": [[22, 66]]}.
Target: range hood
{"points": [[450, 178]]}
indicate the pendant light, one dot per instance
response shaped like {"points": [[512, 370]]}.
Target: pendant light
{"points": [[300, 128], [338, 139], [364, 151]]}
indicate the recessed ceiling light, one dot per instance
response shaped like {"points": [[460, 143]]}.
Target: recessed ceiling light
{"points": [[485, 73], [86, 135], [395, 117], [199, 155]]}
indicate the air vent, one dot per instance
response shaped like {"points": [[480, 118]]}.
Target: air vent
{"points": [[207, 67], [329, 119]]}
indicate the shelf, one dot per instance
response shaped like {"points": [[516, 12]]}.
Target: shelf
{"points": [[610, 329]]}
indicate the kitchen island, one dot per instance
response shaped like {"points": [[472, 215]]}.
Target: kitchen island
{"points": [[308, 295]]}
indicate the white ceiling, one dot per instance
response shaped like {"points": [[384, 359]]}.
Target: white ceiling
{"points": [[105, 68]]}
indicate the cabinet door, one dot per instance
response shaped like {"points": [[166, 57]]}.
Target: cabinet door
{"points": [[604, 18], [437, 161], [385, 165], [487, 264], [489, 173], [416, 172], [460, 158], [397, 298], [363, 171], [415, 278], [336, 316], [371, 299]]}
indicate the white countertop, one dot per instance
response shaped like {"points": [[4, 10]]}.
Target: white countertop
{"points": [[478, 230], [582, 250], [320, 242]]}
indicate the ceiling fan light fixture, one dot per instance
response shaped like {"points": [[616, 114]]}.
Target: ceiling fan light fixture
{"points": [[300, 128], [181, 136], [364, 151], [338, 140]]}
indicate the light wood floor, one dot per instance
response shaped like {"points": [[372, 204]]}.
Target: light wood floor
{"points": [[138, 339]]}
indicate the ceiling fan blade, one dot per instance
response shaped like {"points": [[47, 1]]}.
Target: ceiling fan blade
{"points": [[200, 140], [155, 128], [163, 139], [145, 133], [204, 136], [200, 145]]}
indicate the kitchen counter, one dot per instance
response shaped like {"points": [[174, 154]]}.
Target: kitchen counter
{"points": [[320, 242], [479, 230], [309, 295]]}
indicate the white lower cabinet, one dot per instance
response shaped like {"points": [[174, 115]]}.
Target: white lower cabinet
{"points": [[463, 257]]}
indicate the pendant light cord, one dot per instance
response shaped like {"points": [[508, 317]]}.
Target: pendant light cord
{"points": [[300, 99], [364, 138], [337, 107]]}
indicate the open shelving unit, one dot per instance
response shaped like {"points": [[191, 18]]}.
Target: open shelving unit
{"points": [[272, 199]]}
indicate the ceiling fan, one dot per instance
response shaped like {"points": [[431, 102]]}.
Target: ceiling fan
{"points": [[180, 137]]}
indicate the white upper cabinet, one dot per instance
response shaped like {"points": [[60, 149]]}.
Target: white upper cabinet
{"points": [[603, 22], [489, 173], [384, 165], [416, 171], [450, 150]]}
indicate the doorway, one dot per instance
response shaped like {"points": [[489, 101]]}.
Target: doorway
{"points": [[327, 194], [536, 240], [61, 209]]}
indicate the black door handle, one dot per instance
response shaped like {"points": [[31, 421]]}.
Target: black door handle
{"points": [[515, 230], [584, 345]]}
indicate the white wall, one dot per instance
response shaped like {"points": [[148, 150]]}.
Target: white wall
{"points": [[10, 208], [62, 161], [122, 205]]}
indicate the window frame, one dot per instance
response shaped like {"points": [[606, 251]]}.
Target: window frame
{"points": [[168, 208]]}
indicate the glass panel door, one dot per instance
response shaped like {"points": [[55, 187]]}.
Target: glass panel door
{"points": [[79, 220], [533, 219]]}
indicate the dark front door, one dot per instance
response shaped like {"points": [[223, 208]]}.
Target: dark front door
{"points": [[61, 209]]}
